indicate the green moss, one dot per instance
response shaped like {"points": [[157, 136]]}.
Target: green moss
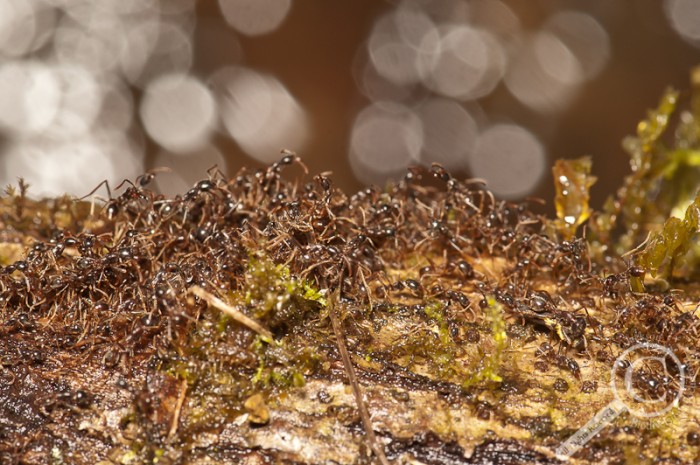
{"points": [[658, 204], [490, 365], [648, 161], [276, 297], [436, 311], [280, 301], [667, 247]]}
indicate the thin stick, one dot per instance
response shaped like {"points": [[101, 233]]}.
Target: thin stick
{"points": [[350, 371], [233, 312], [178, 409], [638, 248]]}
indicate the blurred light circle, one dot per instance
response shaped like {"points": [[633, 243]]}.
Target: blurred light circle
{"points": [[25, 26], [138, 47], [376, 87], [73, 167], [128, 7], [449, 132], [557, 60], [178, 112], [413, 25], [30, 95], [469, 65], [186, 169], [96, 46], [18, 25], [395, 61], [259, 113], [443, 11], [386, 138], [684, 16], [255, 17], [542, 73], [510, 158], [80, 12], [584, 38], [429, 53], [81, 100], [494, 16], [160, 48], [117, 111], [395, 44]]}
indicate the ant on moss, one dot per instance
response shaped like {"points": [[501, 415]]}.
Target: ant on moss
{"points": [[135, 192]]}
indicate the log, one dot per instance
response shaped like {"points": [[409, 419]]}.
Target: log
{"points": [[259, 320]]}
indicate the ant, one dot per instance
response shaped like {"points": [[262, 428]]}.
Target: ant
{"points": [[134, 192]]}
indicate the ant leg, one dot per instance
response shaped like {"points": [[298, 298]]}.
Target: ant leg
{"points": [[124, 182], [106, 184]]}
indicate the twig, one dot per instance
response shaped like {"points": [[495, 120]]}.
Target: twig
{"points": [[638, 248], [233, 312], [350, 371], [178, 409]]}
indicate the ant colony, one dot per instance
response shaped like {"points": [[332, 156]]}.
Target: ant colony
{"points": [[152, 322]]}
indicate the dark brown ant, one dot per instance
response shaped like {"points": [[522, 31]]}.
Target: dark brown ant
{"points": [[439, 172], [566, 363], [134, 192]]}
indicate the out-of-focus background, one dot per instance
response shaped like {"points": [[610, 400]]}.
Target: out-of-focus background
{"points": [[497, 89]]}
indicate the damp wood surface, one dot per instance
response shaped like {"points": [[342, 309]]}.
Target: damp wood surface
{"points": [[199, 329]]}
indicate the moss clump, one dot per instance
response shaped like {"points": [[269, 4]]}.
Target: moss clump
{"points": [[671, 244], [276, 297], [488, 371], [649, 159]]}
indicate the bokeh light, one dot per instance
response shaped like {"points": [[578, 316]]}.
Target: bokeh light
{"points": [[25, 26], [584, 38], [551, 65], [259, 113], [540, 73], [255, 17], [684, 16], [510, 159], [81, 100], [74, 167], [386, 138], [449, 133], [184, 170], [395, 45], [469, 65], [363, 89], [178, 112], [30, 95], [171, 53]]}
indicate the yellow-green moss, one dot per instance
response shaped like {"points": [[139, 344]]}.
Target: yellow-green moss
{"points": [[488, 370]]}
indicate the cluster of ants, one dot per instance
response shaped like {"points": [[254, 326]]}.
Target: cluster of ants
{"points": [[121, 286]]}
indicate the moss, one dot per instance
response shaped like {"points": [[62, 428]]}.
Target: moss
{"points": [[648, 161], [275, 296], [672, 243], [488, 370]]}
